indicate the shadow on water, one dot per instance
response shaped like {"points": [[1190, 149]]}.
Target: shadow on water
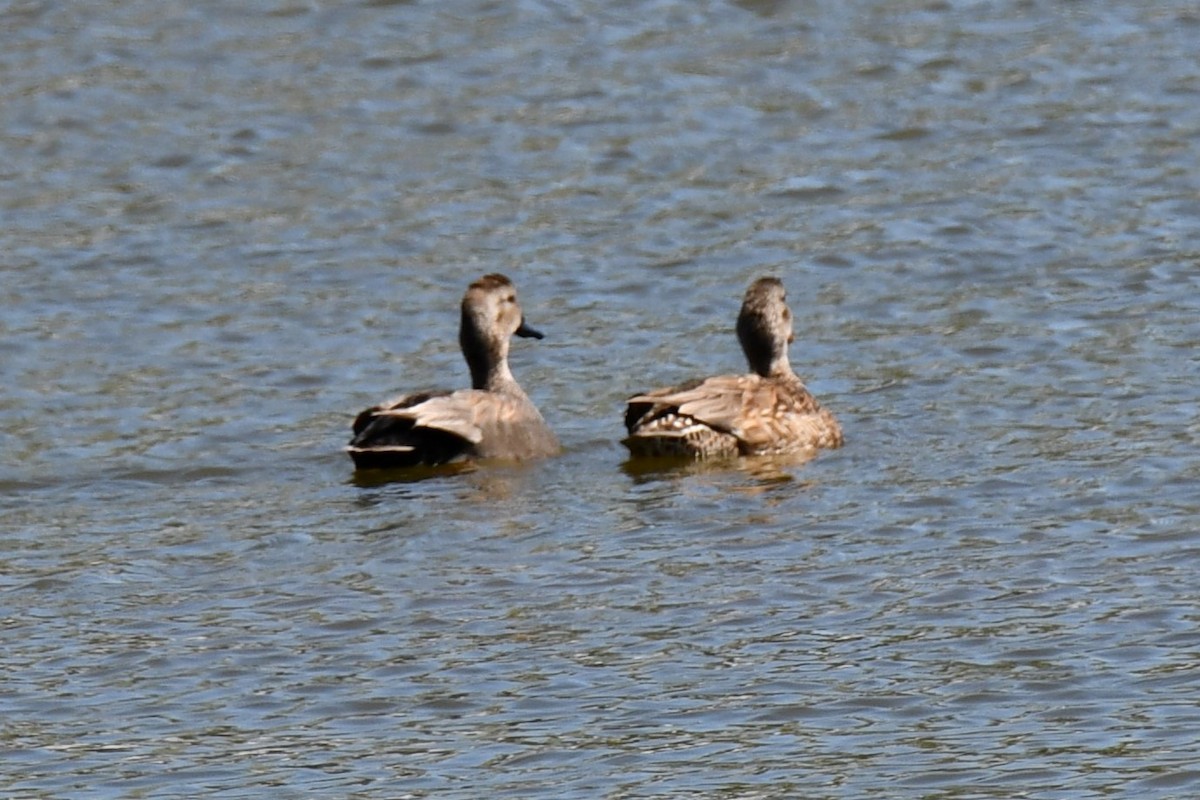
{"points": [[460, 489], [374, 478], [766, 472]]}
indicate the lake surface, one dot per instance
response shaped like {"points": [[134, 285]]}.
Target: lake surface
{"points": [[227, 227]]}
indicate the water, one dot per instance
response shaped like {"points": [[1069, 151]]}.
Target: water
{"points": [[228, 227]]}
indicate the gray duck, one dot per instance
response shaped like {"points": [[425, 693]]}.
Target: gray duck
{"points": [[494, 419]]}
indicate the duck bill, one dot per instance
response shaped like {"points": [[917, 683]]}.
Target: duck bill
{"points": [[527, 332]]}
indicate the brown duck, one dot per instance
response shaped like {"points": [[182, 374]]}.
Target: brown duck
{"points": [[767, 412]]}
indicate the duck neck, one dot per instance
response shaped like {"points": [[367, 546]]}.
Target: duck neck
{"points": [[487, 360], [766, 359], [494, 378], [777, 367]]}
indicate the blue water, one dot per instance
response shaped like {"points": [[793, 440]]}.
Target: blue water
{"points": [[229, 227]]}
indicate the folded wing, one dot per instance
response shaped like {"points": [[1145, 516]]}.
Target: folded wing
{"points": [[729, 415]]}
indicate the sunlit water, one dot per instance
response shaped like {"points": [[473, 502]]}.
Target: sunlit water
{"points": [[227, 227]]}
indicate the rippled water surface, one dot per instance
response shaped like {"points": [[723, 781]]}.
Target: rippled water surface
{"points": [[227, 227]]}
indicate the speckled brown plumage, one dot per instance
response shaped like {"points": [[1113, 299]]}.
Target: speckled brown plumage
{"points": [[766, 412], [493, 419]]}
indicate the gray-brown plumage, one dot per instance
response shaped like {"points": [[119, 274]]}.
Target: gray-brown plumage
{"points": [[768, 411], [493, 419]]}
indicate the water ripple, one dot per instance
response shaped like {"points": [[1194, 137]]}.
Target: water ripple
{"points": [[228, 229]]}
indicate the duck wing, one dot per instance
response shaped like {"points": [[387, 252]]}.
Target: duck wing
{"points": [[746, 414], [420, 428], [455, 413], [436, 427], [716, 402]]}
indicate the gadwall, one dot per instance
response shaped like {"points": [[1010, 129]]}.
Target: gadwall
{"points": [[766, 412], [493, 419]]}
